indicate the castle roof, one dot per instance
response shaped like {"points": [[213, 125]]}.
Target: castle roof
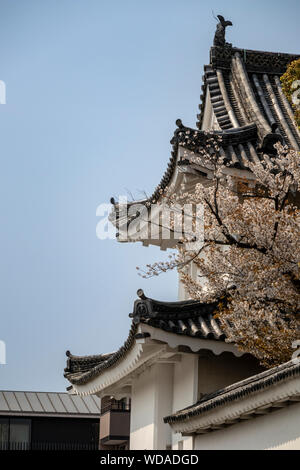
{"points": [[243, 100], [187, 318], [255, 396]]}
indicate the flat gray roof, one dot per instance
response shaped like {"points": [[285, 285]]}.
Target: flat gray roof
{"points": [[48, 404]]}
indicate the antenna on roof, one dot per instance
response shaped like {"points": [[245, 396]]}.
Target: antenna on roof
{"points": [[213, 13]]}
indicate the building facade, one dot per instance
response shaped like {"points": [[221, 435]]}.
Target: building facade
{"points": [[183, 378], [48, 421]]}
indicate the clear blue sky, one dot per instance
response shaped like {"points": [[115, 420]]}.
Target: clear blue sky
{"points": [[93, 91]]}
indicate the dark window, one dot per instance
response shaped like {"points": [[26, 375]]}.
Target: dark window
{"points": [[4, 430], [14, 433], [19, 430]]}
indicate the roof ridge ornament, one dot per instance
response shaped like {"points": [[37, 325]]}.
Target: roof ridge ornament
{"points": [[141, 295], [219, 39], [179, 123]]}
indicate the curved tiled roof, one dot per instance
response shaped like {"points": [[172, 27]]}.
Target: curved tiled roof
{"points": [[234, 76], [80, 370], [189, 318], [237, 391], [245, 92], [236, 144], [81, 364]]}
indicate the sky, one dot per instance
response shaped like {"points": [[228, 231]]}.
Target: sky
{"points": [[93, 90]]}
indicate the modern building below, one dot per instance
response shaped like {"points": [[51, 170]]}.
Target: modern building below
{"points": [[114, 424], [48, 421]]}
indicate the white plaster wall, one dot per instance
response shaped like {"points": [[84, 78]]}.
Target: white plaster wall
{"points": [[216, 372], [277, 430], [163, 404], [142, 404], [151, 400], [185, 390]]}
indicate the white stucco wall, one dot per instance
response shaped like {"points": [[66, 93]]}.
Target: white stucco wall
{"points": [[151, 400], [277, 430], [141, 419], [185, 391], [216, 372], [158, 392]]}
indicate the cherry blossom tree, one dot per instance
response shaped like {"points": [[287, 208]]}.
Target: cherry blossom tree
{"points": [[249, 261]]}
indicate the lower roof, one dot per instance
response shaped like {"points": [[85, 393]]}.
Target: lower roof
{"points": [[236, 392], [18, 403], [186, 318]]}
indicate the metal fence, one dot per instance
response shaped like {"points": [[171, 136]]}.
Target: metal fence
{"points": [[48, 446]]}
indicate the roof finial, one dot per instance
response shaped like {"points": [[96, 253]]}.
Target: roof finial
{"points": [[141, 294], [219, 39]]}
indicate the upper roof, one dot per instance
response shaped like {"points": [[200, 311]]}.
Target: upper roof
{"points": [[242, 88], [14, 403]]}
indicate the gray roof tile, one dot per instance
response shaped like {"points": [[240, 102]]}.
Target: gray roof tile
{"points": [[187, 318], [50, 403]]}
